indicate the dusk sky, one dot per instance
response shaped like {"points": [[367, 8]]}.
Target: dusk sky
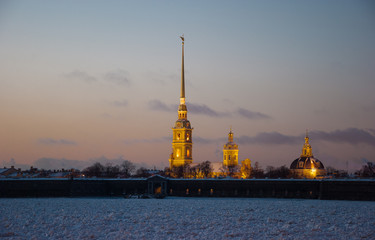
{"points": [[82, 81]]}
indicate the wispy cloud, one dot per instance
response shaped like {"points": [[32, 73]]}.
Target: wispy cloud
{"points": [[372, 131], [119, 77], [59, 163], [202, 140], [251, 115], [158, 105], [81, 75], [51, 141], [269, 138], [194, 108], [205, 110], [351, 136], [261, 138], [122, 103], [147, 140]]}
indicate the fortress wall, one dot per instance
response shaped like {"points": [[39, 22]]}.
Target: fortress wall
{"points": [[252, 188]]}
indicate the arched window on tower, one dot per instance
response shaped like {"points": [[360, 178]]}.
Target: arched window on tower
{"points": [[188, 152], [178, 136], [187, 136]]}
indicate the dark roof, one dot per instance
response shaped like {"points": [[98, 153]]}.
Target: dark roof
{"points": [[306, 163]]}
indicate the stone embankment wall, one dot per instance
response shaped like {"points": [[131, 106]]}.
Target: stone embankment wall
{"points": [[258, 188]]}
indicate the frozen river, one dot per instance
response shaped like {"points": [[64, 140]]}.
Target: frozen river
{"points": [[185, 218]]}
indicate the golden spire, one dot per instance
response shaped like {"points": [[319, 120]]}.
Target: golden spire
{"points": [[182, 97], [182, 110], [230, 135], [306, 150]]}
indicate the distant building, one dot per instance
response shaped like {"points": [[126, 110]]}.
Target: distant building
{"points": [[230, 152], [229, 166], [246, 168], [306, 165], [6, 172]]}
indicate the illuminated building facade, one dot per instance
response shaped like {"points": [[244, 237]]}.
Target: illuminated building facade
{"points": [[306, 165], [246, 168], [230, 152], [182, 144]]}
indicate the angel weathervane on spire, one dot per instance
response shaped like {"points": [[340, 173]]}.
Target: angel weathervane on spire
{"points": [[182, 38]]}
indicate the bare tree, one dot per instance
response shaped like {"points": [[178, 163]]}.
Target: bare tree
{"points": [[257, 172], [195, 172], [182, 171], [186, 170], [205, 168], [127, 168], [231, 171], [368, 170], [96, 170], [111, 171], [142, 172], [280, 172]]}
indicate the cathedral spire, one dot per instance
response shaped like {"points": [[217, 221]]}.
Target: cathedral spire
{"points": [[182, 144], [182, 97]]}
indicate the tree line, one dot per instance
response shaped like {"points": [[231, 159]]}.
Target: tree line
{"points": [[125, 170], [205, 170]]}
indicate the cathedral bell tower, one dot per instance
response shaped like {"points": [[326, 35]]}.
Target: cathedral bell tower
{"points": [[230, 152], [182, 143]]}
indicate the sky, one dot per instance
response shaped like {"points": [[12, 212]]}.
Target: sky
{"points": [[86, 81]]}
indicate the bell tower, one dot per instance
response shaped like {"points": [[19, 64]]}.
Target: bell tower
{"points": [[230, 152], [182, 144]]}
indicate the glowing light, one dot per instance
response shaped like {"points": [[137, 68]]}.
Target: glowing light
{"points": [[313, 172]]}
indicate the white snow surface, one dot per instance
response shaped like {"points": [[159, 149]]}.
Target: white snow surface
{"points": [[185, 218]]}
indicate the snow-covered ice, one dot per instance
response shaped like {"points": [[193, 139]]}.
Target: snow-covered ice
{"points": [[185, 218]]}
